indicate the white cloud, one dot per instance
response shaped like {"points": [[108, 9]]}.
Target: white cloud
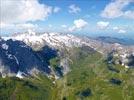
{"points": [[21, 11], [78, 25], [71, 29], [56, 9], [122, 31], [116, 9], [129, 14], [115, 28], [18, 15], [64, 26], [102, 24], [74, 9], [119, 29]]}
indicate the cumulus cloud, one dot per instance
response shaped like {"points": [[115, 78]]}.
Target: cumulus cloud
{"points": [[71, 29], [64, 26], [119, 29], [115, 28], [102, 24], [74, 9], [56, 9], [129, 14], [116, 9], [16, 11], [19, 14], [122, 31], [78, 25]]}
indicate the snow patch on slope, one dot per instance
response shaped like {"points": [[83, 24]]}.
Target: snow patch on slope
{"points": [[5, 46]]}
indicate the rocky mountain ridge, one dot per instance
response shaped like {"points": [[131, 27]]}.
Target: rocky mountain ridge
{"points": [[28, 53]]}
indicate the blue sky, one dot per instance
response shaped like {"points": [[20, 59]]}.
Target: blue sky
{"points": [[88, 17]]}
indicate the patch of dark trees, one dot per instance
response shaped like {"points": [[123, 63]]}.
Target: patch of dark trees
{"points": [[84, 93], [115, 81]]}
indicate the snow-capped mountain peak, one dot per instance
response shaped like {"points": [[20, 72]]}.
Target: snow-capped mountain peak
{"points": [[53, 39]]}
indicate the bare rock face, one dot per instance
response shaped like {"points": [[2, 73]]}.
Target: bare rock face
{"points": [[16, 56]]}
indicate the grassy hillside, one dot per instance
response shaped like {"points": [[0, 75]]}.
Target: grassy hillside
{"points": [[26, 89], [90, 78]]}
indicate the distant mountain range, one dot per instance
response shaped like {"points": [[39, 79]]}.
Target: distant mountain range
{"points": [[123, 41]]}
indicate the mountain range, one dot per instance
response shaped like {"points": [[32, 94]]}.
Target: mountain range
{"points": [[123, 41], [65, 60], [29, 53]]}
